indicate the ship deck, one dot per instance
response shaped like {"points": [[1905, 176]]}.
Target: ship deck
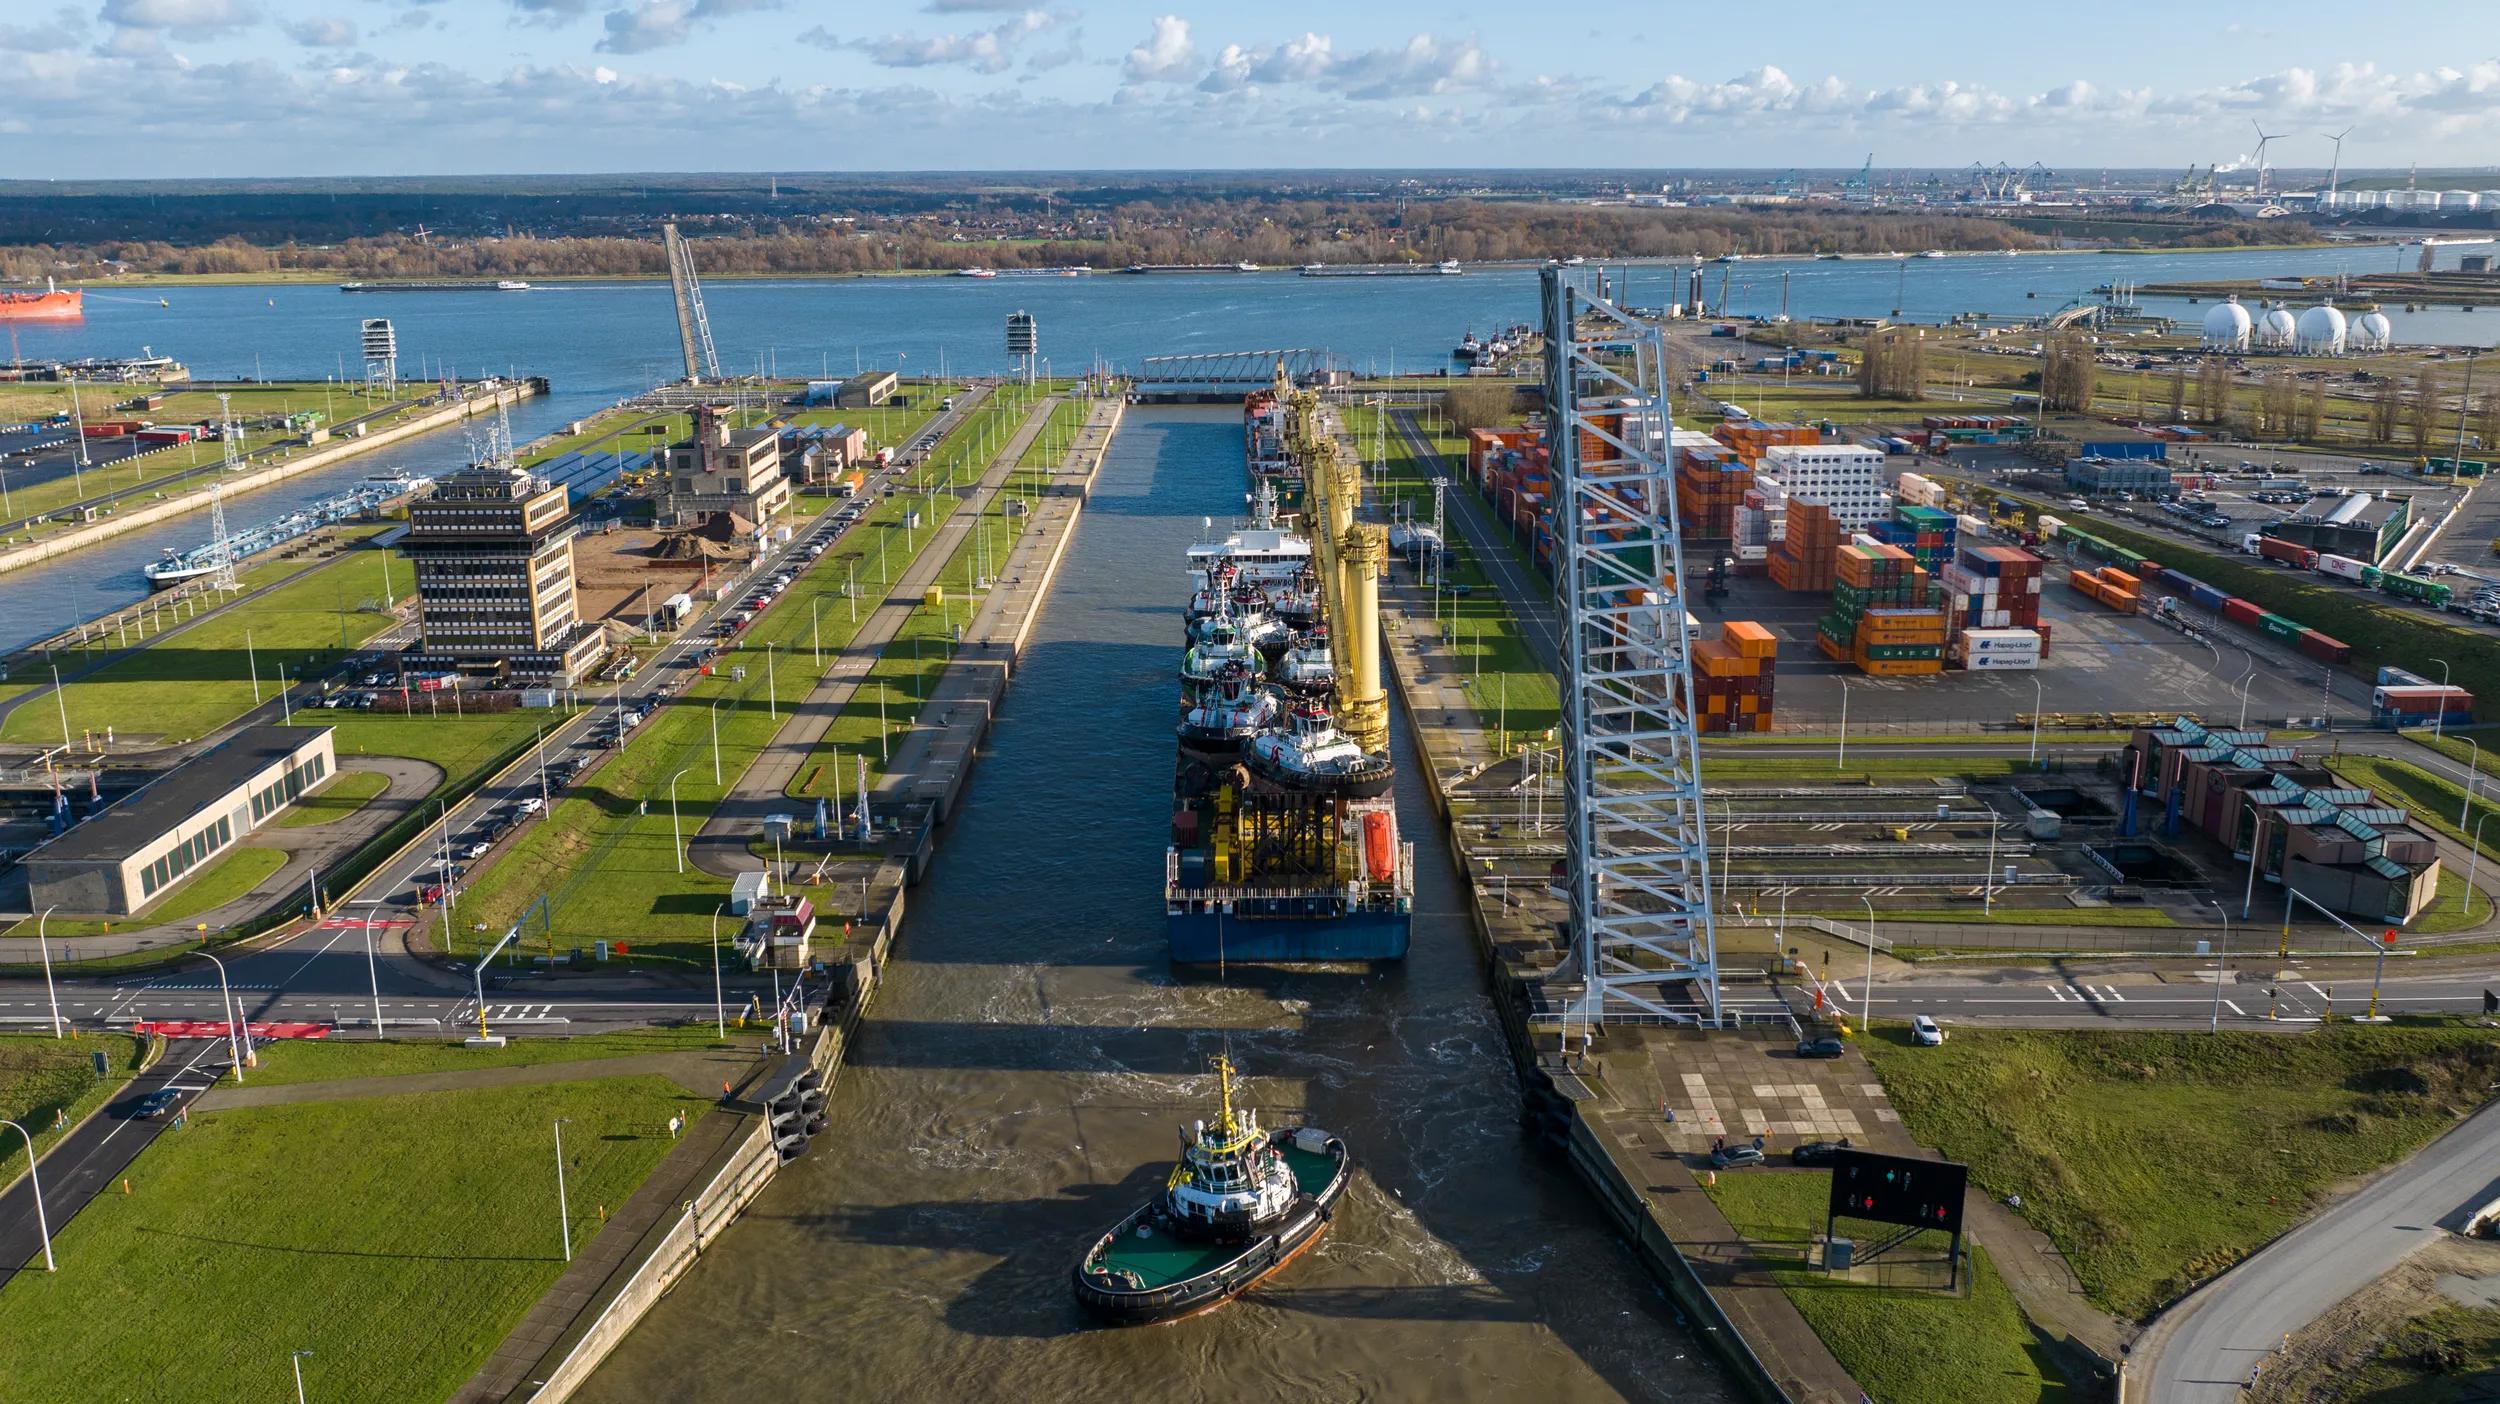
{"points": [[1159, 1259]]}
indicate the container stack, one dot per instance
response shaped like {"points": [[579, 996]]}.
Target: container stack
{"points": [[1749, 437], [2404, 699], [1994, 587], [2110, 586], [1805, 557], [1710, 484], [1995, 650], [1927, 534], [1760, 521], [1732, 677], [1880, 618]]}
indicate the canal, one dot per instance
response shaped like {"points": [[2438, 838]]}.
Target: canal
{"points": [[1018, 1085]]}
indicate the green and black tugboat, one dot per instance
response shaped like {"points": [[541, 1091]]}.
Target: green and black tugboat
{"points": [[1241, 1204]]}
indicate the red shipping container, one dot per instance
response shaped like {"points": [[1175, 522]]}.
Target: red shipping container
{"points": [[2240, 611]]}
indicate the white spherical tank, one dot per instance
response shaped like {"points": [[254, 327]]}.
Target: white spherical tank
{"points": [[2227, 326], [2276, 328], [2321, 332], [2372, 331]]}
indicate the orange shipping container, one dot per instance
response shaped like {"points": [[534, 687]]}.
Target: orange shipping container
{"points": [[1750, 639]]}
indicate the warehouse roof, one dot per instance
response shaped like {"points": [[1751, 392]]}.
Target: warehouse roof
{"points": [[176, 796]]}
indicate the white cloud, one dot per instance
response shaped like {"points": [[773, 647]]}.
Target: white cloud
{"points": [[1167, 55], [66, 30], [548, 11], [661, 24], [323, 32], [1423, 65], [990, 50], [973, 7], [187, 18]]}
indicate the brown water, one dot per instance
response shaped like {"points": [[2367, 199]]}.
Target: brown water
{"points": [[1018, 1084]]}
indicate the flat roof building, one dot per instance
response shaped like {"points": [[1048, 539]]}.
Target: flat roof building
{"points": [[493, 551], [2363, 526], [152, 839], [720, 468], [867, 389]]}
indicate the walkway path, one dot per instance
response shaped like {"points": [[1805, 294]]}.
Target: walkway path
{"points": [[2202, 1350]]}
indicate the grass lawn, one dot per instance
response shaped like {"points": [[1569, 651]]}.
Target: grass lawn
{"points": [[1897, 1342], [45, 1079], [461, 745], [396, 1238], [2447, 1356], [346, 793], [2256, 1131], [321, 1060], [197, 681]]}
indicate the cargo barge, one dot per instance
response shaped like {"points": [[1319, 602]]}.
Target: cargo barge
{"points": [[1285, 837], [237, 547]]}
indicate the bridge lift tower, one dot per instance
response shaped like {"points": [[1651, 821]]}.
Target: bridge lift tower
{"points": [[1643, 943], [694, 330]]}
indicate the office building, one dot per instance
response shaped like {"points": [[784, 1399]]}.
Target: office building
{"points": [[493, 551]]}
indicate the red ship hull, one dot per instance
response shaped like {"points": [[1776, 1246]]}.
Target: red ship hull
{"points": [[64, 305]]}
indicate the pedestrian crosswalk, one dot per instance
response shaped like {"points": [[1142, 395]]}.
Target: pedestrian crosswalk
{"points": [[466, 1013], [2085, 994]]}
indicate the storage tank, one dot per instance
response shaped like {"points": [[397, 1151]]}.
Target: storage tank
{"points": [[2276, 328], [2371, 331], [2321, 332], [2227, 326]]}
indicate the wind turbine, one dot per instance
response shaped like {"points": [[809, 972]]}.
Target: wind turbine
{"points": [[2336, 171], [2263, 139]]}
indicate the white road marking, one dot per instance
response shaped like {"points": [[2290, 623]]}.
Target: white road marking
{"points": [[2235, 1009]]}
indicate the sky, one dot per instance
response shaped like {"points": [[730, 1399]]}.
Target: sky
{"points": [[162, 88]]}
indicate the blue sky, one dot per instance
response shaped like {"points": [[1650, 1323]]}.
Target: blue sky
{"points": [[341, 87]]}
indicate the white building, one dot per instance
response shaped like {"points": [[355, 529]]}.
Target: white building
{"points": [[1844, 477]]}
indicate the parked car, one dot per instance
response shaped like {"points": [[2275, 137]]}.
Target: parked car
{"points": [[1818, 1152], [1925, 1032], [1826, 1046], [477, 849], [1735, 1157]]}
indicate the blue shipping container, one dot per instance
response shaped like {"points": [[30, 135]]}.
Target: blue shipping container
{"points": [[2208, 597], [2398, 677]]}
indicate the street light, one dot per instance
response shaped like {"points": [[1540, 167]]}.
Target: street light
{"points": [[2439, 719], [772, 697], [2222, 971], [43, 1230], [1842, 761], [2245, 679], [1866, 1006], [564, 1211], [2035, 717], [720, 1013], [716, 738], [677, 840], [45, 948], [225, 996], [2474, 859], [299, 1375], [373, 972]]}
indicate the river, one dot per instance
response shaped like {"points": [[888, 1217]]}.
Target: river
{"points": [[599, 342], [1017, 1086]]}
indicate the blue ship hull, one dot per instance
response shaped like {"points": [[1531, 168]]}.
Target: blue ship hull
{"points": [[1317, 932]]}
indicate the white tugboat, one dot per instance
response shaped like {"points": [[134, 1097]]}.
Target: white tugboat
{"points": [[1306, 670], [1241, 1204], [1228, 712], [1312, 757]]}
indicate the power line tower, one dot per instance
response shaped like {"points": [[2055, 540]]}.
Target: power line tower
{"points": [[220, 546], [1637, 857], [694, 329]]}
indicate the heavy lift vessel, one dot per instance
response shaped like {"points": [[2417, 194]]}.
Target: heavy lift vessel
{"points": [[1285, 841]]}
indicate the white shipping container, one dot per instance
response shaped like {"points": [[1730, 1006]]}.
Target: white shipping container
{"points": [[2004, 662], [1972, 526], [2001, 638], [2050, 526], [2341, 567]]}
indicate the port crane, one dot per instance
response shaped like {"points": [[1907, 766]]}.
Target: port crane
{"points": [[1636, 854], [694, 329], [1862, 185]]}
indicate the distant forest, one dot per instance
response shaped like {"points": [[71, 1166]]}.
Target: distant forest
{"points": [[376, 234]]}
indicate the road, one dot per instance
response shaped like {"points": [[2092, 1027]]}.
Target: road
{"points": [[2201, 1351], [89, 1159], [2093, 996]]}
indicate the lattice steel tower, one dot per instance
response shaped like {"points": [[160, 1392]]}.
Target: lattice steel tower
{"points": [[694, 326], [1638, 861]]}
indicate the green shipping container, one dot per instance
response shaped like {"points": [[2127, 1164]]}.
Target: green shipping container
{"points": [[2276, 626]]}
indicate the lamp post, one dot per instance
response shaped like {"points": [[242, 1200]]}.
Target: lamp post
{"points": [[43, 1230], [2439, 719], [1842, 761], [720, 1012], [2035, 717], [225, 997], [2245, 679], [1866, 1006], [815, 644], [772, 691], [564, 1211], [716, 738], [2223, 970], [373, 972], [299, 1374], [2474, 859], [677, 839], [45, 948]]}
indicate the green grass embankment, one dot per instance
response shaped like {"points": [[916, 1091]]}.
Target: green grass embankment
{"points": [[2156, 1160], [48, 1085], [347, 792], [396, 1238], [1897, 1342], [287, 1061]]}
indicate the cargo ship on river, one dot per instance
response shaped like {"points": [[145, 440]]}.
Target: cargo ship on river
{"points": [[1285, 836], [54, 304], [238, 547]]}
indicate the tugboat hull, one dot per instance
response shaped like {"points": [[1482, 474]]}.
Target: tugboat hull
{"points": [[1132, 1279], [1303, 927]]}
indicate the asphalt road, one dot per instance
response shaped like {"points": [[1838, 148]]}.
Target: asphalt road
{"points": [[2201, 1351], [2252, 991], [87, 1161]]}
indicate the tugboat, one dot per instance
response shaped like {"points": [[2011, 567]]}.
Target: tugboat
{"points": [[1229, 711], [1306, 670], [1313, 757], [1241, 1204]]}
